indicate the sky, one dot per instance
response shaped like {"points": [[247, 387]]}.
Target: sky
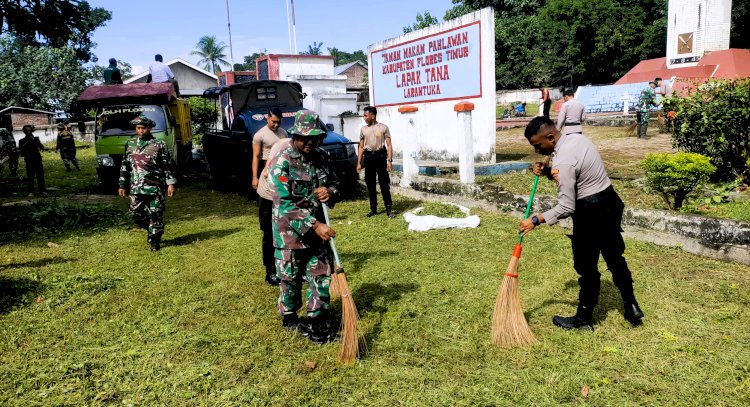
{"points": [[139, 29]]}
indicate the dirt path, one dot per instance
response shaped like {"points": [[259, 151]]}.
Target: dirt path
{"points": [[620, 150]]}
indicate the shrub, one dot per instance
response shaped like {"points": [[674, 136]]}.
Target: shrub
{"points": [[203, 114], [714, 120], [675, 176]]}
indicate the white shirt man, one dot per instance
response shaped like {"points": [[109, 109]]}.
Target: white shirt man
{"points": [[159, 71]]}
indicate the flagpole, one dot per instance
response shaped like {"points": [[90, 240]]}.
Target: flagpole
{"points": [[229, 27], [294, 28], [288, 25]]}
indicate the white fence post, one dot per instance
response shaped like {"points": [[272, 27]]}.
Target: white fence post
{"points": [[466, 151], [411, 146]]}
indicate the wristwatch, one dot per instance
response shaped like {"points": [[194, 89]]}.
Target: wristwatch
{"points": [[535, 220]]}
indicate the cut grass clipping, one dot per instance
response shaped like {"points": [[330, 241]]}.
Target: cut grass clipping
{"points": [[441, 210]]}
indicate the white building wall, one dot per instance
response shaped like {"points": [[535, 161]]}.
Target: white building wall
{"points": [[438, 128], [326, 95], [296, 66], [708, 20]]}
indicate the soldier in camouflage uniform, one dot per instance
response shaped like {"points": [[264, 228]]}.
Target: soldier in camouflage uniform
{"points": [[643, 113], [66, 144], [299, 183], [147, 171], [9, 151]]}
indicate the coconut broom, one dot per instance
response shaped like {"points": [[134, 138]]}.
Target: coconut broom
{"points": [[509, 326], [349, 318]]}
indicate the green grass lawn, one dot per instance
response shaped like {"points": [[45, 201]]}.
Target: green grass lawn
{"points": [[97, 319]]}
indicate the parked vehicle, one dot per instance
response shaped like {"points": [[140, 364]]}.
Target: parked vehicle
{"points": [[117, 105], [229, 152]]}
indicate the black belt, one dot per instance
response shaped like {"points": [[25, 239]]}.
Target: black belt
{"points": [[573, 124], [598, 197]]}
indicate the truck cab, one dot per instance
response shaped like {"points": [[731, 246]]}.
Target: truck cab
{"points": [[229, 152], [116, 105]]}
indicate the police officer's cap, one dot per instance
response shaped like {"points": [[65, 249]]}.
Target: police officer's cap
{"points": [[143, 120], [306, 124]]}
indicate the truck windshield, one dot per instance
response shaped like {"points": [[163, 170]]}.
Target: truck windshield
{"points": [[115, 120]]}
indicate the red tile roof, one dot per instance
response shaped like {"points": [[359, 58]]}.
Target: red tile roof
{"points": [[726, 64]]}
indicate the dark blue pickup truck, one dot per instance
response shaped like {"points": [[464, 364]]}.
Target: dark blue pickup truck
{"points": [[230, 152]]}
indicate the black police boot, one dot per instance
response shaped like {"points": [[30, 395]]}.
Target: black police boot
{"points": [[389, 211], [373, 212], [155, 243], [67, 168], [633, 313], [292, 322], [320, 332], [272, 278], [582, 319]]}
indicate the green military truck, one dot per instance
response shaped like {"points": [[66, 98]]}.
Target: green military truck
{"points": [[117, 105]]}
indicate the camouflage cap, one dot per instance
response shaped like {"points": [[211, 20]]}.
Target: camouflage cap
{"points": [[143, 120], [306, 124], [4, 133], [60, 126]]}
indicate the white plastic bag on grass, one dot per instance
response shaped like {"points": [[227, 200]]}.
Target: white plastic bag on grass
{"points": [[421, 223]]}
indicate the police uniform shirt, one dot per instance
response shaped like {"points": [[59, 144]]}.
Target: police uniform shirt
{"points": [[579, 172], [572, 112], [374, 136]]}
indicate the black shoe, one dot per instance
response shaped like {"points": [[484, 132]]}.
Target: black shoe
{"points": [[371, 213], [292, 323], [154, 243], [390, 213], [273, 279], [633, 313], [574, 322], [320, 332], [67, 169]]}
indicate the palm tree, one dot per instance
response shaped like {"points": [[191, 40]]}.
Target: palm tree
{"points": [[211, 52], [313, 49]]}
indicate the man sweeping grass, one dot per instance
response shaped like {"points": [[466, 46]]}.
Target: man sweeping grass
{"points": [[585, 193]]}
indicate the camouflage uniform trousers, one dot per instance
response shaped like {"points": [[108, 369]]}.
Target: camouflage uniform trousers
{"points": [[68, 155], [642, 117], [311, 265], [147, 211]]}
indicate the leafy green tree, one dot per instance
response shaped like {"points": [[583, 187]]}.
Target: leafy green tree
{"points": [[97, 71], [203, 115], [343, 57], [714, 120], [563, 42], [423, 21], [249, 61], [53, 23], [314, 49], [211, 52], [39, 77], [739, 37]]}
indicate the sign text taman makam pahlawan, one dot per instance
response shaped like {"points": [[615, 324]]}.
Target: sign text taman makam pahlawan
{"points": [[437, 67]]}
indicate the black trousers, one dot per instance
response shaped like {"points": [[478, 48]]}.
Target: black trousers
{"points": [[596, 229], [35, 169], [547, 105], [265, 207], [376, 166]]}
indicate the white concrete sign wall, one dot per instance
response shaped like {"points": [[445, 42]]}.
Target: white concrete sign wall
{"points": [[433, 69]]}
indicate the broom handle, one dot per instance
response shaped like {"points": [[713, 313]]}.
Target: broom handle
{"points": [[531, 197], [333, 242]]}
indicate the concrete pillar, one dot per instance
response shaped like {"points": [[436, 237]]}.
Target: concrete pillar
{"points": [[410, 146], [466, 143]]}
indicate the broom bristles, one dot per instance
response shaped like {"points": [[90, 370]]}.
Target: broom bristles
{"points": [[334, 290], [509, 326], [349, 321]]}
